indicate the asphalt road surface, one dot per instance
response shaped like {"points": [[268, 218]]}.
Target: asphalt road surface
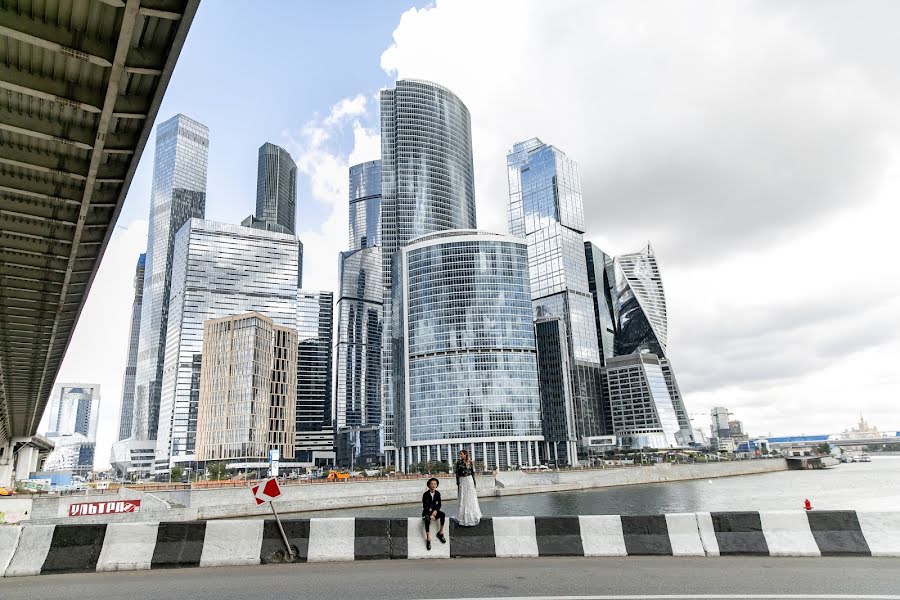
{"points": [[665, 578]]}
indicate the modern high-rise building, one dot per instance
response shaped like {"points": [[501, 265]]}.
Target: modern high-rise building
{"points": [[427, 185], [73, 413], [357, 349], [642, 412], [276, 190], [601, 283], [218, 270], [248, 390], [465, 365], [719, 427], [178, 194], [546, 208], [314, 442], [126, 414]]}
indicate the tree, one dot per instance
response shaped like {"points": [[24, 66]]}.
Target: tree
{"points": [[216, 471], [176, 474], [824, 448]]}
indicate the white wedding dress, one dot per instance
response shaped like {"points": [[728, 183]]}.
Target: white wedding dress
{"points": [[469, 510]]}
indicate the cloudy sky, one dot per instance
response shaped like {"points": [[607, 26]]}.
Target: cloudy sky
{"points": [[756, 144]]}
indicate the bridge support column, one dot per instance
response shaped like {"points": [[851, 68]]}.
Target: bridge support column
{"points": [[6, 465]]}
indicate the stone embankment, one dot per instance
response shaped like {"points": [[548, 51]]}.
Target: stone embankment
{"points": [[32, 549], [203, 504]]}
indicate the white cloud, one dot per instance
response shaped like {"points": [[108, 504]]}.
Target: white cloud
{"points": [[754, 143], [347, 107]]}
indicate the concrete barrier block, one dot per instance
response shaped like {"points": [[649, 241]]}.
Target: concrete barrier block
{"points": [[739, 533], [684, 535], [415, 541], [9, 539], [558, 536], [128, 547], [297, 532], [787, 533], [372, 539], [881, 530], [399, 538], [469, 542], [514, 537], [707, 534], [178, 544], [838, 533], [601, 535], [646, 535], [232, 543], [31, 552], [331, 540], [74, 548]]}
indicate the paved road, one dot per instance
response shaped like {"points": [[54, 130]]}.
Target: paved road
{"points": [[632, 577]]}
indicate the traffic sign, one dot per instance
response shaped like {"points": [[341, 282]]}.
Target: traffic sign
{"points": [[266, 491]]}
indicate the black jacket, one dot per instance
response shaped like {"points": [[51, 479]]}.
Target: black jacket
{"points": [[429, 505], [465, 470]]}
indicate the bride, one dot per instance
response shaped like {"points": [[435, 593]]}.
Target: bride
{"points": [[469, 511]]}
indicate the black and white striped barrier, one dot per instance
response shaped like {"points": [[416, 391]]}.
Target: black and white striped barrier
{"points": [[42, 549]]}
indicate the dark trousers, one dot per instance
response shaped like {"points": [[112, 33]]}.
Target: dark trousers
{"points": [[426, 516]]}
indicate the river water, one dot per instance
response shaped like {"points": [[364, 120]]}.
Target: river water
{"points": [[857, 486]]}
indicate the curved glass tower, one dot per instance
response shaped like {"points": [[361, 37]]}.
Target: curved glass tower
{"points": [[276, 189], [640, 304], [427, 183], [465, 369]]}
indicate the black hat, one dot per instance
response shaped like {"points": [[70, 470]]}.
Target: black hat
{"points": [[434, 479]]}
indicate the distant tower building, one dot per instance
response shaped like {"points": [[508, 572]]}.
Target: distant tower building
{"points": [[357, 389], [276, 189], [218, 270], [427, 185], [545, 207], [248, 389], [178, 194], [464, 357], [74, 411], [642, 411], [126, 415], [719, 427], [315, 429]]}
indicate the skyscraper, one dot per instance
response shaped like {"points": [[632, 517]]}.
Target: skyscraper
{"points": [[276, 189], [357, 388], [427, 185], [178, 194], [218, 270], [545, 207], [315, 429], [126, 415], [74, 411], [465, 366], [642, 412]]}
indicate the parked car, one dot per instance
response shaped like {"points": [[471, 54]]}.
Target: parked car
{"points": [[4, 491]]}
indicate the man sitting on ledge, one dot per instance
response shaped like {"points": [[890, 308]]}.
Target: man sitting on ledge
{"points": [[431, 511]]}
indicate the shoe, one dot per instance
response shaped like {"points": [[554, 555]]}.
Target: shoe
{"points": [[442, 538], [428, 544]]}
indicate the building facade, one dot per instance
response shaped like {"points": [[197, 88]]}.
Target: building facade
{"points": [[178, 194], [465, 364], [314, 427], [358, 342], [642, 412], [248, 389], [427, 185], [546, 208], [218, 270], [74, 410], [276, 190], [126, 414]]}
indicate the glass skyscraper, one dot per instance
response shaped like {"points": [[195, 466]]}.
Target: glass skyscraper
{"points": [[357, 389], [126, 415], [465, 365], [315, 429], [178, 194], [74, 412], [427, 185], [218, 270], [642, 412], [546, 208], [276, 189]]}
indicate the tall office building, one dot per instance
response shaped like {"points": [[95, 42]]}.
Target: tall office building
{"points": [[465, 365], [545, 207], [357, 386], [601, 283], [126, 414], [642, 412], [178, 194], [427, 185], [248, 390], [218, 270], [276, 189], [73, 414], [314, 441]]}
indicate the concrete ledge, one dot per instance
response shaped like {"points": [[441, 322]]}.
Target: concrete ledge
{"points": [[39, 549]]}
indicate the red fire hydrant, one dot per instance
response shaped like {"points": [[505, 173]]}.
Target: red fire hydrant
{"points": [[807, 505]]}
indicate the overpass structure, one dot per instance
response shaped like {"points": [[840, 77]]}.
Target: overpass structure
{"points": [[838, 439], [81, 82]]}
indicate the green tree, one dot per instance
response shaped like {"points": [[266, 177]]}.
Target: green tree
{"points": [[216, 471], [176, 474], [824, 448]]}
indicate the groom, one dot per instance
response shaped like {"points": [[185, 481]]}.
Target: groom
{"points": [[431, 511]]}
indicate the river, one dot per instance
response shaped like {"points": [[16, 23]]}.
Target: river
{"points": [[858, 486]]}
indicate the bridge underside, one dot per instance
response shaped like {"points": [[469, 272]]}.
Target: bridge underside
{"points": [[80, 85]]}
